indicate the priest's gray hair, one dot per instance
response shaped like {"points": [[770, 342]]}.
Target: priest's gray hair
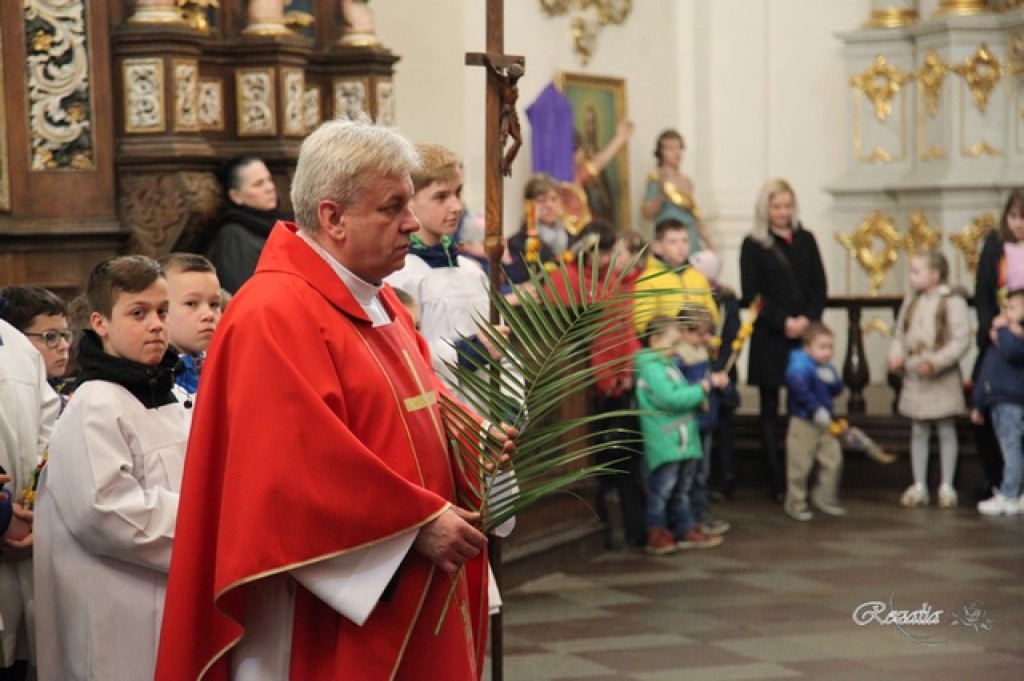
{"points": [[762, 231], [340, 159]]}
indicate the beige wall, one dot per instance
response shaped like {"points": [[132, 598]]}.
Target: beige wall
{"points": [[757, 87]]}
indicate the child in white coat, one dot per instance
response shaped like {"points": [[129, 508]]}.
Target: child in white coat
{"points": [[108, 498]]}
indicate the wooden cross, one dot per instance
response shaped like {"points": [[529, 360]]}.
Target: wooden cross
{"points": [[503, 71]]}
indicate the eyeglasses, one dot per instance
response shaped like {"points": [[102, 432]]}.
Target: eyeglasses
{"points": [[53, 337]]}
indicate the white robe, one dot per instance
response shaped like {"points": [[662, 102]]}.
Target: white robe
{"points": [[105, 521], [28, 409]]}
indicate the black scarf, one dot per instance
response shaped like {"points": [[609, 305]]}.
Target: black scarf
{"points": [[259, 222], [442, 254], [150, 385]]}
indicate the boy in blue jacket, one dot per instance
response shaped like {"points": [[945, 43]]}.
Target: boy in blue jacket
{"points": [[812, 383], [1000, 388]]}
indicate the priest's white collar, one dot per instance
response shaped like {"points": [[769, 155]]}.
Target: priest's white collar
{"points": [[365, 293]]}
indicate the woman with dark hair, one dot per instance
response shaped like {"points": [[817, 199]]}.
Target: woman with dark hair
{"points": [[247, 215], [989, 292], [780, 265]]}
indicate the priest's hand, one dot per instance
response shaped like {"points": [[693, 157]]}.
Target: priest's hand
{"points": [[450, 539]]}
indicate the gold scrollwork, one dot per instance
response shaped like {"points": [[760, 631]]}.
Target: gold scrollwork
{"points": [[931, 76], [880, 83], [588, 18], [921, 237], [982, 148], [969, 240], [981, 71], [860, 245]]}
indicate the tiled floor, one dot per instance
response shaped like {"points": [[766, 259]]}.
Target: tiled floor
{"points": [[777, 601]]}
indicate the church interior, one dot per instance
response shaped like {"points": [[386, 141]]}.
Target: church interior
{"points": [[898, 122]]}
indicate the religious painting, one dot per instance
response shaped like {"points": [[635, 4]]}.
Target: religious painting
{"points": [[311, 107], [598, 104], [293, 89]]}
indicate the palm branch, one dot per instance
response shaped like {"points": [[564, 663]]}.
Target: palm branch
{"points": [[545, 358]]}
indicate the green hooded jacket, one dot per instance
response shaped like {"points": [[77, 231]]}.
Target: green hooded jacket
{"points": [[668, 407]]}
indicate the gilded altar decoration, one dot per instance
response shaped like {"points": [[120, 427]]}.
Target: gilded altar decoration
{"points": [[186, 95], [311, 115], [961, 8], [860, 245], [195, 13], [58, 85], [143, 95], [880, 83], [921, 237], [930, 77], [254, 100], [211, 104], [892, 17], [981, 71], [266, 17], [589, 17], [969, 240], [293, 86]]}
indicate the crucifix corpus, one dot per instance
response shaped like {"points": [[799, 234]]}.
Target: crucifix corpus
{"points": [[503, 74]]}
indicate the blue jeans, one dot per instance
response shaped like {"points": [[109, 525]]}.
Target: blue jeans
{"points": [[1008, 422], [668, 496]]}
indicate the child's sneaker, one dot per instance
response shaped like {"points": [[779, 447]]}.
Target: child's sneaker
{"points": [[800, 513], [947, 497], [827, 508], [696, 539], [715, 526], [999, 505], [915, 495], [659, 541]]}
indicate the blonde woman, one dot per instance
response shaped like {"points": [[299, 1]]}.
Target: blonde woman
{"points": [[780, 264]]}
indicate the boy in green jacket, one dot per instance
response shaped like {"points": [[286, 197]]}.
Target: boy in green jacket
{"points": [[672, 445]]}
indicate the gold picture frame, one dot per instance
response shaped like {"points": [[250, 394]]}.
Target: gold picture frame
{"points": [[598, 105]]}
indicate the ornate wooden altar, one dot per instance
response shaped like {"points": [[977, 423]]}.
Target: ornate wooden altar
{"points": [[115, 114]]}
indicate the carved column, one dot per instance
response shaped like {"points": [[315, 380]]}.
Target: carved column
{"points": [[266, 17], [156, 12], [892, 13]]}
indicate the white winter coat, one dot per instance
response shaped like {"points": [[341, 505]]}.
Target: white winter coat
{"points": [[105, 523]]}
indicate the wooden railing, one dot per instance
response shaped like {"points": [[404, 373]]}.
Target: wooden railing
{"points": [[856, 373]]}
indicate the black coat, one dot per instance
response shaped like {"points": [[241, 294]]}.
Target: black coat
{"points": [[790, 279], [986, 286]]}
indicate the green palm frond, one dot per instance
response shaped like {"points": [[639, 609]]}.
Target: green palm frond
{"points": [[545, 358]]}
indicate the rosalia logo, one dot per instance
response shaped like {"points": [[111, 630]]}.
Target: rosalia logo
{"points": [[941, 628]]}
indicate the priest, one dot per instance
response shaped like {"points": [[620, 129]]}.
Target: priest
{"points": [[324, 530]]}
